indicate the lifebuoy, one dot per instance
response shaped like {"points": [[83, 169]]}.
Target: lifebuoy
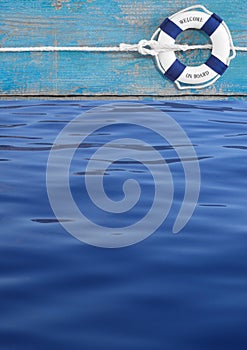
{"points": [[222, 48]]}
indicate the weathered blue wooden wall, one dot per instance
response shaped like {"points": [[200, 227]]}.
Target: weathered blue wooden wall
{"points": [[101, 22]]}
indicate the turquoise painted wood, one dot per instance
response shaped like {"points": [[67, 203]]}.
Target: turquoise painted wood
{"points": [[101, 22]]}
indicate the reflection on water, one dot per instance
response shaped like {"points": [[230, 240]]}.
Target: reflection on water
{"points": [[185, 291]]}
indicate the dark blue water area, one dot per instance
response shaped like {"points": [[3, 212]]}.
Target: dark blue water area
{"points": [[169, 291]]}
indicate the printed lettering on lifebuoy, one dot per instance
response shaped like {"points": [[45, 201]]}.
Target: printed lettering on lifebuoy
{"points": [[190, 19]]}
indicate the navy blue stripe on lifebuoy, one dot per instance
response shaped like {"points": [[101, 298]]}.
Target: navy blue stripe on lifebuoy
{"points": [[217, 65], [212, 24], [170, 28], [175, 70]]}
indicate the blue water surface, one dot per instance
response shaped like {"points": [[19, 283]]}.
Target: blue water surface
{"points": [[168, 292]]}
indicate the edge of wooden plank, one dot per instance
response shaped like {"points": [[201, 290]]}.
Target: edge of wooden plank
{"points": [[125, 97]]}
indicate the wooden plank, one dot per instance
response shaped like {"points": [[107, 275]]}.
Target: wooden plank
{"points": [[101, 22]]}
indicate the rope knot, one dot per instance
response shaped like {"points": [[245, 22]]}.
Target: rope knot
{"points": [[148, 47], [154, 48]]}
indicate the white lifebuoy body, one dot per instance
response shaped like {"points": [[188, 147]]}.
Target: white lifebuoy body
{"points": [[217, 63]]}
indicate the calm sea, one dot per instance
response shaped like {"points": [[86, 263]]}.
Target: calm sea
{"points": [[185, 291]]}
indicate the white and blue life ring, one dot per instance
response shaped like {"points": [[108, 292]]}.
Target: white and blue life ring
{"points": [[222, 48]]}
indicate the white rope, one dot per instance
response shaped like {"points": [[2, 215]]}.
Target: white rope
{"points": [[144, 47]]}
